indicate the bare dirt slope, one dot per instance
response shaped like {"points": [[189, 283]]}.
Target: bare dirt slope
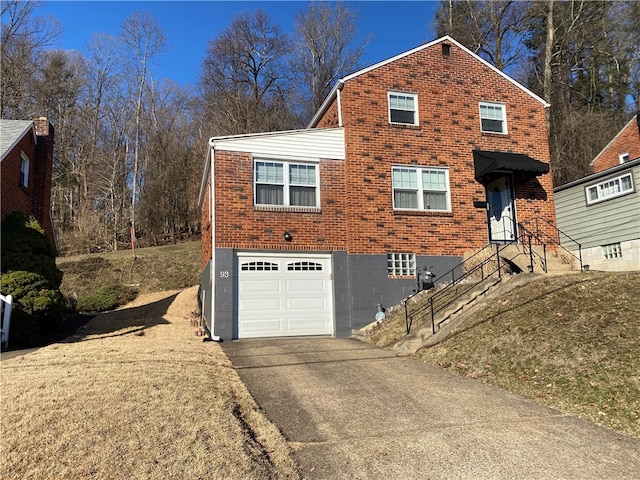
{"points": [[135, 395]]}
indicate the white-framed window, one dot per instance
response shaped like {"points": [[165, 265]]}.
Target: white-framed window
{"points": [[286, 184], [24, 171], [403, 108], [493, 118], [401, 264], [421, 189], [624, 157], [611, 251], [611, 188]]}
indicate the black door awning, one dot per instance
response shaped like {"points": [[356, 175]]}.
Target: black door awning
{"points": [[486, 162]]}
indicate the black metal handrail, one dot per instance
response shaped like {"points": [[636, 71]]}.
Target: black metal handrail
{"points": [[526, 238], [443, 297], [557, 241]]}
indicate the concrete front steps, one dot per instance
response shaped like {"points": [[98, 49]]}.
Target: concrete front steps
{"points": [[487, 291], [557, 261]]}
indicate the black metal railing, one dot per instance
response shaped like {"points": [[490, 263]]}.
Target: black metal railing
{"points": [[545, 239], [527, 239], [473, 268]]}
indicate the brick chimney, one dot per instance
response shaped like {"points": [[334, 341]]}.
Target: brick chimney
{"points": [[42, 173]]}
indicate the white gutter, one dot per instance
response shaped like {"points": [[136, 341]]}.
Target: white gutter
{"points": [[212, 214]]}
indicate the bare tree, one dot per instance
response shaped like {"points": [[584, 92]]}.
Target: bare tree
{"points": [[23, 38], [493, 29], [146, 40], [244, 78], [325, 49]]}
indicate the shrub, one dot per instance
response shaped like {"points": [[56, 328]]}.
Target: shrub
{"points": [[30, 275], [106, 298], [37, 308]]}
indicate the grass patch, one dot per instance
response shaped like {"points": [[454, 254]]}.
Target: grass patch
{"points": [[154, 269], [106, 298], [570, 342], [135, 396]]}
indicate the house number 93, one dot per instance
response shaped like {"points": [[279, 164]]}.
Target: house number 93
{"points": [[224, 274]]}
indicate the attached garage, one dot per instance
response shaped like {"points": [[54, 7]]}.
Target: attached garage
{"points": [[284, 295]]}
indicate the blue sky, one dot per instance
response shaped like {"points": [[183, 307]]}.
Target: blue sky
{"points": [[393, 27]]}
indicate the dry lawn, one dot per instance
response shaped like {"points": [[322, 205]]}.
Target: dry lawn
{"points": [[136, 396]]}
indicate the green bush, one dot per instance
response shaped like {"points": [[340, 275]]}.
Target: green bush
{"points": [[37, 308], [106, 298], [25, 247], [30, 275]]}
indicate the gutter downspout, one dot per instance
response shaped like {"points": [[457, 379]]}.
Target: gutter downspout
{"points": [[212, 213], [338, 98]]}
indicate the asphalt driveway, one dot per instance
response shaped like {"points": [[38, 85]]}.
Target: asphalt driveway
{"points": [[352, 410]]}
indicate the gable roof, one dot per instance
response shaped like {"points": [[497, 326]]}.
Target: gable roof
{"points": [[633, 120], [327, 102], [11, 132]]}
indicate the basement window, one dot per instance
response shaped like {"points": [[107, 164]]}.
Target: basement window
{"points": [[612, 251], [401, 264]]}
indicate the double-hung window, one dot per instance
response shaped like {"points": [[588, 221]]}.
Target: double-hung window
{"points": [[493, 118], [421, 189], [24, 171], [403, 108], [614, 187], [286, 184]]}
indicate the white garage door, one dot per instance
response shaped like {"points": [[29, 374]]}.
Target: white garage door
{"points": [[282, 295]]}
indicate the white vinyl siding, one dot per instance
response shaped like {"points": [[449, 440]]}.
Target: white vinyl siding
{"points": [[286, 184], [403, 108], [421, 189], [493, 118], [611, 188]]}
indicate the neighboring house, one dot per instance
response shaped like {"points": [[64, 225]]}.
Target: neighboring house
{"points": [[26, 149], [309, 232], [601, 212]]}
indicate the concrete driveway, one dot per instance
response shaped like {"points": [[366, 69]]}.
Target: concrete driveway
{"points": [[352, 410]]}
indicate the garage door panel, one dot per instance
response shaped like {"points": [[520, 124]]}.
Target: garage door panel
{"points": [[261, 327], [284, 296], [260, 285]]}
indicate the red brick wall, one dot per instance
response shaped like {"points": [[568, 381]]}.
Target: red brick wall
{"points": [[206, 249], [36, 198], [449, 89], [14, 196], [627, 142], [239, 224]]}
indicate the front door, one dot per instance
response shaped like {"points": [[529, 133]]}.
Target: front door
{"points": [[502, 212]]}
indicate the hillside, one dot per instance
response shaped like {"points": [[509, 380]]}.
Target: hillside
{"points": [[570, 342], [154, 269]]}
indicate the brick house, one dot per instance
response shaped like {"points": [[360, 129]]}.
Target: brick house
{"points": [[26, 149], [310, 231], [600, 211]]}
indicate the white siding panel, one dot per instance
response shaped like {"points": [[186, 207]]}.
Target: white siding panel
{"points": [[321, 143]]}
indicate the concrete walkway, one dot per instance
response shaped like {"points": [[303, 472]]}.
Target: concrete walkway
{"points": [[350, 410]]}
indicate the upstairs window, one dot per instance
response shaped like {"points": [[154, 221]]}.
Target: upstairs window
{"points": [[624, 157], [286, 184], [612, 188], [403, 108], [493, 118], [24, 171], [421, 189]]}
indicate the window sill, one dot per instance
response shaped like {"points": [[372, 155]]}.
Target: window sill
{"points": [[283, 209], [406, 126], [402, 277], [422, 213], [495, 134]]}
